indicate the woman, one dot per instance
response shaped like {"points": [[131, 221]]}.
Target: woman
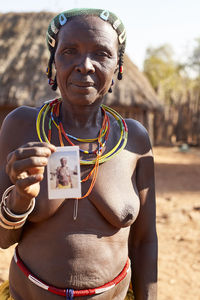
{"points": [[79, 247], [63, 176]]}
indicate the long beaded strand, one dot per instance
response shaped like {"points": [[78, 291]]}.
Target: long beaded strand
{"points": [[98, 152]]}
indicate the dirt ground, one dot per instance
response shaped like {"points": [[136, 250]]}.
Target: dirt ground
{"points": [[178, 224]]}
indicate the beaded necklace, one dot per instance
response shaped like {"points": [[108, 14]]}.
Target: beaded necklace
{"points": [[106, 123], [114, 151], [44, 110], [55, 118]]}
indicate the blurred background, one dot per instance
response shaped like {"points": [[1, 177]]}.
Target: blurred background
{"points": [[160, 88]]}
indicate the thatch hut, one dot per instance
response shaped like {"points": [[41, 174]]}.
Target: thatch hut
{"points": [[23, 60]]}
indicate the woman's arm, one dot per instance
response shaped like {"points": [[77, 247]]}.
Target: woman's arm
{"points": [[143, 237], [23, 168]]}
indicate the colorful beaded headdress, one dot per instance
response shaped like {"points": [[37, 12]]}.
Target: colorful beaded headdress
{"points": [[62, 18]]}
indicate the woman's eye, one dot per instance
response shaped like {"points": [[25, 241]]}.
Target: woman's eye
{"points": [[102, 53], [69, 51]]}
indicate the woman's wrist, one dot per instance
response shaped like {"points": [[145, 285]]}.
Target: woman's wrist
{"points": [[16, 203], [10, 219], [6, 223]]}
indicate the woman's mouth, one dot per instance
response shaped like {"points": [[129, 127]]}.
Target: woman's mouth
{"points": [[81, 87], [83, 84]]}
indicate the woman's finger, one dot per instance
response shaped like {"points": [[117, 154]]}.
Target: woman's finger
{"points": [[29, 159], [24, 182], [31, 166], [40, 144], [29, 163], [29, 186], [25, 151], [19, 166]]}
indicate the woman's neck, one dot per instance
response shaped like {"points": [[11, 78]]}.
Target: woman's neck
{"points": [[82, 117]]}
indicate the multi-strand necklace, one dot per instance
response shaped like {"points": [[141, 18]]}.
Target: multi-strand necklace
{"points": [[52, 108]]}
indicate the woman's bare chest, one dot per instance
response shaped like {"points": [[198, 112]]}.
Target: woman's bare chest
{"points": [[115, 193]]}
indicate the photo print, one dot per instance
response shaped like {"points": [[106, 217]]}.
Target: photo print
{"points": [[63, 173]]}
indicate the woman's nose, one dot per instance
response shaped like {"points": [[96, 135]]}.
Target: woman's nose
{"points": [[85, 66]]}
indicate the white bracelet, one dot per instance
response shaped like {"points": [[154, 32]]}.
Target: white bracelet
{"points": [[2, 224], [7, 224], [6, 221], [9, 212]]}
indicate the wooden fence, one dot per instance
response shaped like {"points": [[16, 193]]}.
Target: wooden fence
{"points": [[179, 122]]}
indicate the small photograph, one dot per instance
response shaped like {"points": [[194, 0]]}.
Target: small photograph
{"points": [[63, 173]]}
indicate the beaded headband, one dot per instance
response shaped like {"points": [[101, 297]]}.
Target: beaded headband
{"points": [[61, 19]]}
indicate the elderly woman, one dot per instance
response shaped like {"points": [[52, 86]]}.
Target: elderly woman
{"points": [[79, 248]]}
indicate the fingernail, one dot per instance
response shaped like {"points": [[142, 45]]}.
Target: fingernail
{"points": [[53, 147], [38, 177]]}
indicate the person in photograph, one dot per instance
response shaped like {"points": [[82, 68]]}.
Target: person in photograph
{"points": [[63, 175], [90, 247]]}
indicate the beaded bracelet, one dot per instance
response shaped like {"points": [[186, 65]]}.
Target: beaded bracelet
{"points": [[9, 212]]}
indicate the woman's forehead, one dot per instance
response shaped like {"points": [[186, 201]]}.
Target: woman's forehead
{"points": [[92, 27]]}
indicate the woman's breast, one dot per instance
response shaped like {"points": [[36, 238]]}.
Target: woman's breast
{"points": [[115, 194]]}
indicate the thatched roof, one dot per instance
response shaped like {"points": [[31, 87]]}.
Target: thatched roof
{"points": [[23, 60]]}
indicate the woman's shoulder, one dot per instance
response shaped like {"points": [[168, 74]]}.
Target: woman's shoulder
{"points": [[138, 137], [18, 127], [21, 119], [136, 127], [22, 113]]}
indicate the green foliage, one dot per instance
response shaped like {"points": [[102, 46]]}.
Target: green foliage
{"points": [[159, 65], [178, 86], [169, 78], [164, 52]]}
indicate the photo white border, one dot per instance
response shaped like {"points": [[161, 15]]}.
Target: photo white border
{"points": [[57, 193]]}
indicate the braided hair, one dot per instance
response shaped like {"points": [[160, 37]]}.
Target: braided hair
{"points": [[61, 19]]}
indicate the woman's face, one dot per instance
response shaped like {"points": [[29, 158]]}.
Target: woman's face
{"points": [[85, 59]]}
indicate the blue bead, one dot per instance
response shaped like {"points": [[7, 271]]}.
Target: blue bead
{"points": [[62, 19], [69, 294], [105, 15]]}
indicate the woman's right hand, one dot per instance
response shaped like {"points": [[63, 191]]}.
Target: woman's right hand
{"points": [[25, 168]]}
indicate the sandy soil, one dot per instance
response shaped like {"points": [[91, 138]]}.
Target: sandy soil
{"points": [[178, 224]]}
